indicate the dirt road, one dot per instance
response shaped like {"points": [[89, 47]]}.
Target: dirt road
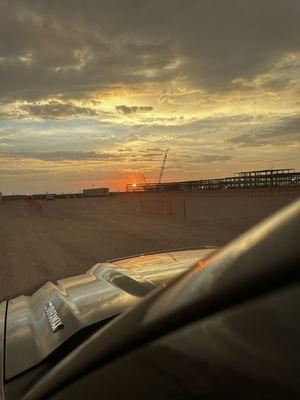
{"points": [[70, 235]]}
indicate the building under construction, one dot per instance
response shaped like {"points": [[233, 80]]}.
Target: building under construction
{"points": [[242, 180]]}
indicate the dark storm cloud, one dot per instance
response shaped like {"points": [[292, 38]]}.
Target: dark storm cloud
{"points": [[76, 48], [127, 110], [286, 130]]}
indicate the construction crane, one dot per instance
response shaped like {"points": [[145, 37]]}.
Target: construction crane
{"points": [[163, 166], [144, 179]]}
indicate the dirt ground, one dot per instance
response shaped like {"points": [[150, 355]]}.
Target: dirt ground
{"points": [[70, 235]]}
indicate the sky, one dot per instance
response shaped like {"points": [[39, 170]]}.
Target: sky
{"points": [[93, 92]]}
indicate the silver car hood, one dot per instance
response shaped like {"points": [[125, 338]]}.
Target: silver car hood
{"points": [[105, 290]]}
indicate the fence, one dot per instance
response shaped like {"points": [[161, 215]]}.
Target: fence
{"points": [[163, 207], [213, 203], [35, 204]]}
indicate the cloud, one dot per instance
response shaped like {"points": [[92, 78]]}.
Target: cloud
{"points": [[209, 158], [206, 77], [127, 110], [55, 109], [289, 125], [207, 44], [284, 130], [277, 84], [16, 172], [62, 155], [7, 132]]}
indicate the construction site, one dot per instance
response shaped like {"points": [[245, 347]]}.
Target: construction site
{"points": [[241, 180], [43, 240], [47, 240]]}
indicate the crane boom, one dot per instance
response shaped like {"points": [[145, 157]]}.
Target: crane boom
{"points": [[163, 166]]}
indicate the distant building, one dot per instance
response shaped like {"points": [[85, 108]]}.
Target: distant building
{"points": [[95, 192]]}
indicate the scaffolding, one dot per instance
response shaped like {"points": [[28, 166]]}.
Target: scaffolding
{"points": [[285, 177]]}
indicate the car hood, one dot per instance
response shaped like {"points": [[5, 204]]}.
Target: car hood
{"points": [[36, 325]]}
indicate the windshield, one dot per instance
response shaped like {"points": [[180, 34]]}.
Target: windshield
{"points": [[150, 125]]}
